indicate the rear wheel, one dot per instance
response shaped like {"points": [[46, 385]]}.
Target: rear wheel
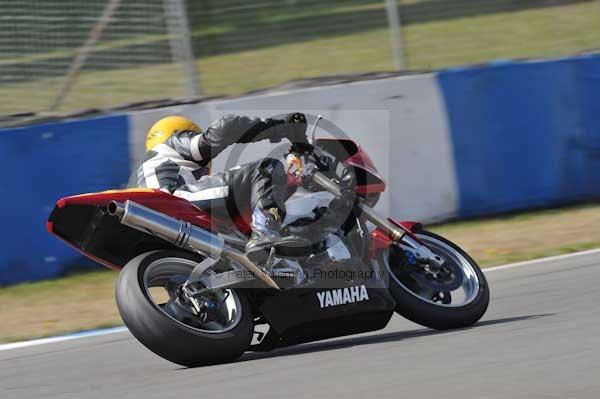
{"points": [[454, 297], [149, 299]]}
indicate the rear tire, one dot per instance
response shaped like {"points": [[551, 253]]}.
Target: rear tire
{"points": [[167, 337], [433, 315]]}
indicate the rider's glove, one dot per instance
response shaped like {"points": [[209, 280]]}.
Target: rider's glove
{"points": [[296, 128]]}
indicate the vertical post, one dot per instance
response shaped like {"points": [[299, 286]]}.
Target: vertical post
{"points": [[82, 52], [393, 16], [181, 44], [556, 15]]}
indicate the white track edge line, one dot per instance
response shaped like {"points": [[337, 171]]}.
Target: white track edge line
{"points": [[542, 260], [96, 333], [62, 338]]}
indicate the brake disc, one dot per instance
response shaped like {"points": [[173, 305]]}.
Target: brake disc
{"points": [[446, 280]]}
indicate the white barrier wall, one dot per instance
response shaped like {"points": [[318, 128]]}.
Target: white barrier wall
{"points": [[401, 123]]}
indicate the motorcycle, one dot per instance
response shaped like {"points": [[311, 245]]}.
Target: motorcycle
{"points": [[188, 292]]}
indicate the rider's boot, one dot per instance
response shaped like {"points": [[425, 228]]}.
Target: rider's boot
{"points": [[266, 226]]}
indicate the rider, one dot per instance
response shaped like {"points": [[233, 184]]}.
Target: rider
{"points": [[178, 160]]}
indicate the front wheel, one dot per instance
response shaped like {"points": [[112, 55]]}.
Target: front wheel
{"points": [[149, 301], [454, 297]]}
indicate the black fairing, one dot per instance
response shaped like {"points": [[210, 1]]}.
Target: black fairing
{"points": [[91, 230], [295, 316]]}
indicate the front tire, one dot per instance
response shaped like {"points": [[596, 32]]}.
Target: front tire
{"points": [[172, 339], [432, 308]]}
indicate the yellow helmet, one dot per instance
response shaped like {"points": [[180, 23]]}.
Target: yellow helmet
{"points": [[166, 127]]}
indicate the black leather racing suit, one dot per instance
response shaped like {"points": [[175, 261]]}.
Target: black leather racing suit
{"points": [[180, 166]]}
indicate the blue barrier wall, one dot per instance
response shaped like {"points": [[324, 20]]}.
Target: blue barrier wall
{"points": [[524, 134], [41, 164]]}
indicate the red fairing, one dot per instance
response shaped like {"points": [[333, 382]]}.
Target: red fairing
{"points": [[157, 200], [381, 240], [353, 155], [361, 159], [70, 221]]}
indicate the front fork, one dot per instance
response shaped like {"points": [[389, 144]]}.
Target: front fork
{"points": [[398, 234]]}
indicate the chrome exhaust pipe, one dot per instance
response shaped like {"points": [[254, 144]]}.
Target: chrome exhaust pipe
{"points": [[182, 234]]}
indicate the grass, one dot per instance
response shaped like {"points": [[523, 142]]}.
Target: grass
{"points": [[547, 32], [253, 69], [73, 303], [86, 301], [527, 235], [430, 44]]}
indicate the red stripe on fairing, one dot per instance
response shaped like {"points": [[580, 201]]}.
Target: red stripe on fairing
{"points": [[157, 200], [360, 159]]}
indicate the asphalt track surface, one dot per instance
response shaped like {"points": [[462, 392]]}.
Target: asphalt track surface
{"points": [[539, 339]]}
